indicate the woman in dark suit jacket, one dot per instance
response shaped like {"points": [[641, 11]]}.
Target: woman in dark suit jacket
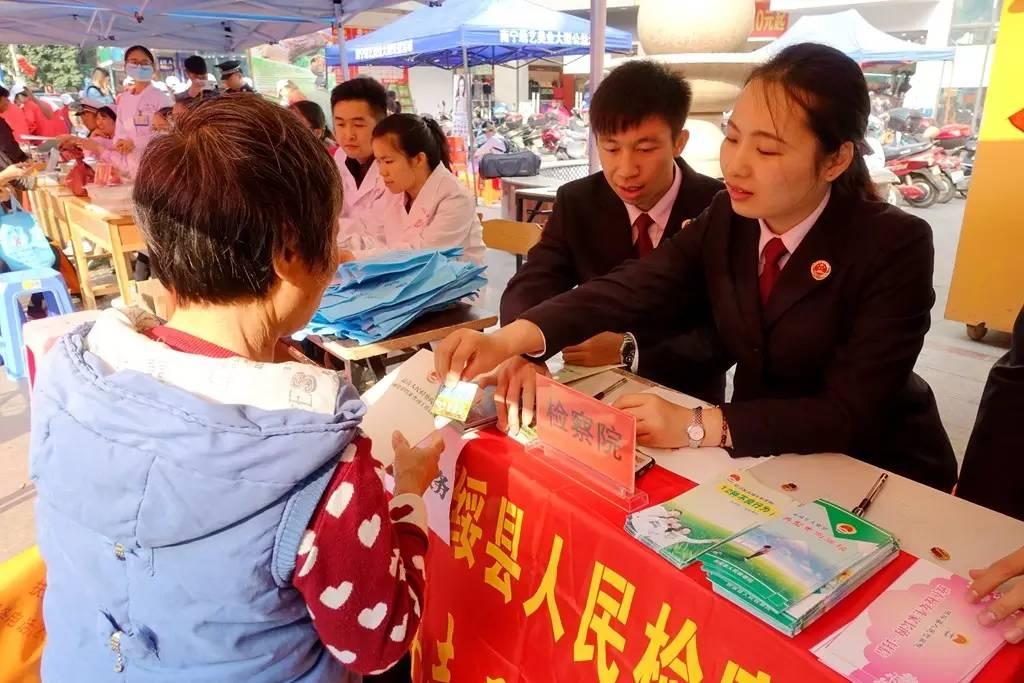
{"points": [[820, 292]]}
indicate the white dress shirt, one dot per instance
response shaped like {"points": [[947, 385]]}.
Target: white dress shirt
{"points": [[660, 212], [792, 237]]}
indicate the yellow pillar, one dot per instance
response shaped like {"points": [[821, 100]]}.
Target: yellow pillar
{"points": [[988, 282]]}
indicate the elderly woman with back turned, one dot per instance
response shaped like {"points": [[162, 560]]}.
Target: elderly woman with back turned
{"points": [[206, 514]]}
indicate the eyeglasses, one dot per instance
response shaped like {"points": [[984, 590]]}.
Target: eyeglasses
{"points": [[139, 62]]}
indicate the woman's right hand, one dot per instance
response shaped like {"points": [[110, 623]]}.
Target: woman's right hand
{"points": [[466, 355], [414, 468], [89, 145]]}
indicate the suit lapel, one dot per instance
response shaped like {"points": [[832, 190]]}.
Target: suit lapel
{"points": [[611, 213], [796, 281], [743, 263], [687, 205]]}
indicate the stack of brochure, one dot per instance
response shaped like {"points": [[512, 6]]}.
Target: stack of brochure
{"points": [[697, 521], [792, 569], [920, 629]]}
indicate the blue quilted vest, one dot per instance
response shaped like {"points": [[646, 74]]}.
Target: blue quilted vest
{"points": [[170, 526]]}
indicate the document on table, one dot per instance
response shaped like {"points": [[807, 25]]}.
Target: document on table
{"points": [[699, 465], [920, 629]]}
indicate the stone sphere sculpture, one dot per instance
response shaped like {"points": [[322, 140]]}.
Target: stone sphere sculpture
{"points": [[672, 26]]}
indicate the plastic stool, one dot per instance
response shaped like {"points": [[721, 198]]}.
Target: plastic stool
{"points": [[46, 281]]}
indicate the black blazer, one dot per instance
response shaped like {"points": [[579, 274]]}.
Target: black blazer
{"points": [[991, 474], [827, 365], [588, 235]]}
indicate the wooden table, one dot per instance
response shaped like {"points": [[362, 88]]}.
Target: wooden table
{"points": [[48, 208], [116, 233], [429, 328]]}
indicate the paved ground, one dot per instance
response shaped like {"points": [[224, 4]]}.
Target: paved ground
{"points": [[955, 367]]}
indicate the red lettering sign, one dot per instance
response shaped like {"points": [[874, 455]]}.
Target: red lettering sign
{"points": [[768, 24], [587, 430]]}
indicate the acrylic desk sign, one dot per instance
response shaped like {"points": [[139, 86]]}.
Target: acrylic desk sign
{"points": [[595, 442]]}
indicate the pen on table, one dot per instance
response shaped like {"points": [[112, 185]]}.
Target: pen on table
{"points": [[870, 498], [601, 394]]}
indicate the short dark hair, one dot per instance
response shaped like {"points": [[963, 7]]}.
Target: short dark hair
{"points": [[4, 92], [638, 90], [833, 93], [140, 48], [259, 184], [108, 112], [102, 71], [362, 88], [196, 65]]}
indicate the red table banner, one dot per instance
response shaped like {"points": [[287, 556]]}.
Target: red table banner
{"points": [[541, 584]]}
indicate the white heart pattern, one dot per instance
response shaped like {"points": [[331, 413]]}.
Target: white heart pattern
{"points": [[415, 601], [372, 618], [395, 559], [335, 597], [308, 564], [340, 499], [349, 454], [307, 542], [343, 656], [398, 632], [369, 530]]}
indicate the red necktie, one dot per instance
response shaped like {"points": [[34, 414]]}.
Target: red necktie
{"points": [[643, 244], [773, 253]]}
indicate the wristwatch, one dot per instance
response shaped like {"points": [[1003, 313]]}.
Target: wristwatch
{"points": [[627, 352], [695, 431]]}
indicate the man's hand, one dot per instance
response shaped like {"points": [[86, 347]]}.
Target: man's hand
{"points": [[516, 393], [987, 580], [603, 349], [125, 146], [659, 423], [415, 468]]}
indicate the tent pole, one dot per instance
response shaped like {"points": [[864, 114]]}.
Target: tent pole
{"points": [[339, 20], [993, 17], [598, 20], [471, 137]]}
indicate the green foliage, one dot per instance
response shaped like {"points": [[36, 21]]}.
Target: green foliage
{"points": [[64, 66]]}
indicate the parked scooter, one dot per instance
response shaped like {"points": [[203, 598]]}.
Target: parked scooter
{"points": [[573, 144], [921, 179]]}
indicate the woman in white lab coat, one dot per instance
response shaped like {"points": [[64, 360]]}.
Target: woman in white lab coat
{"points": [[138, 105], [438, 211]]}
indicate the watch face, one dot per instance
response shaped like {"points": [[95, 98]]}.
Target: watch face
{"points": [[695, 432]]}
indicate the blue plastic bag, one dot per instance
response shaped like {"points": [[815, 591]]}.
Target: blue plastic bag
{"points": [[22, 242]]}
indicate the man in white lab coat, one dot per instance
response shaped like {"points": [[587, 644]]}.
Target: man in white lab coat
{"points": [[358, 105]]}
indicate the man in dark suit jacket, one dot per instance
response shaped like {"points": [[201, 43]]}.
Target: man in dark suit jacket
{"points": [[642, 198], [991, 474]]}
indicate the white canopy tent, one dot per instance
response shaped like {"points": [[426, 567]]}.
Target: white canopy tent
{"points": [[221, 25]]}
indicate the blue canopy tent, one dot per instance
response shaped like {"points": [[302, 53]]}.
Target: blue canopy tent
{"points": [[463, 33], [851, 33]]}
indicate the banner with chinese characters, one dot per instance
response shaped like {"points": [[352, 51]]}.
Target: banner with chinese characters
{"points": [[768, 24], [541, 584]]}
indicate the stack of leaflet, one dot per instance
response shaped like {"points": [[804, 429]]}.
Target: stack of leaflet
{"points": [[920, 629], [791, 570], [375, 298], [691, 524]]}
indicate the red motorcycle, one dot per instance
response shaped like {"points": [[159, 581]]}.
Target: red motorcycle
{"points": [[921, 179]]}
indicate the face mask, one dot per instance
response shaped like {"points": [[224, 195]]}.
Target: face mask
{"points": [[139, 72]]}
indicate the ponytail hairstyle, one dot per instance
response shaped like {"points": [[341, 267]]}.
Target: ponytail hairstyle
{"points": [[414, 134], [831, 89], [314, 115]]}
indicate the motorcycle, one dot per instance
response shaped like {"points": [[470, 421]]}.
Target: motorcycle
{"points": [[921, 179], [573, 144], [959, 148]]}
